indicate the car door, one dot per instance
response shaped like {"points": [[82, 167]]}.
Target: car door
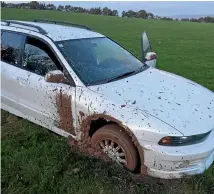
{"points": [[50, 104], [148, 56], [11, 44]]}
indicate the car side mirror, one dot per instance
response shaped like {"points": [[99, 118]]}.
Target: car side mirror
{"points": [[148, 56], [150, 59], [56, 76], [146, 46]]}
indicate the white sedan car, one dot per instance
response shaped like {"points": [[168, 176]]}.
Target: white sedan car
{"points": [[83, 85]]}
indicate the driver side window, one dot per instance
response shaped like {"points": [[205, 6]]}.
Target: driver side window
{"points": [[38, 58]]}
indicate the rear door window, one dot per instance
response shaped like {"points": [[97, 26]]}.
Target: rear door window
{"points": [[11, 44]]}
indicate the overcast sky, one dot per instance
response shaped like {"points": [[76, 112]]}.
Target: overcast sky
{"points": [[157, 8]]}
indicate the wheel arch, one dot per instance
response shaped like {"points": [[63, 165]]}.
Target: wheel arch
{"points": [[100, 120]]}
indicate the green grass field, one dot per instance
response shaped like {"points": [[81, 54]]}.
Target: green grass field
{"points": [[35, 160]]}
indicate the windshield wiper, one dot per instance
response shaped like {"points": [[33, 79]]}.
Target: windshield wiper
{"points": [[120, 76], [143, 67]]}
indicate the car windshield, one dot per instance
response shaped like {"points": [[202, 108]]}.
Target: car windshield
{"points": [[99, 60]]}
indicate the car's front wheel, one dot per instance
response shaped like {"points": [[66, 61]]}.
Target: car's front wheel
{"points": [[117, 145]]}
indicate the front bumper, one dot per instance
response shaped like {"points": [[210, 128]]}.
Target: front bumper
{"points": [[177, 162]]}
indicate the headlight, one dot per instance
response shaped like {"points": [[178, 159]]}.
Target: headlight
{"points": [[183, 140]]}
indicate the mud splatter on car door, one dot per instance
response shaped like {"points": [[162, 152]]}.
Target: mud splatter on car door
{"points": [[64, 109]]}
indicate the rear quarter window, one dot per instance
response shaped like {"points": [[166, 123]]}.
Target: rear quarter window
{"points": [[11, 45]]}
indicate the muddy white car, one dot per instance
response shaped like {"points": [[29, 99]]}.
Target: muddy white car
{"points": [[83, 85]]}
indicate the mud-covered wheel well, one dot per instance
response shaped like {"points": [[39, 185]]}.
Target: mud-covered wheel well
{"points": [[97, 124]]}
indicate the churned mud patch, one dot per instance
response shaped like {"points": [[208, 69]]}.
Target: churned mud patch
{"points": [[84, 147]]}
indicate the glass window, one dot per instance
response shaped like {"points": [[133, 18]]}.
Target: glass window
{"points": [[99, 60], [11, 47], [38, 58]]}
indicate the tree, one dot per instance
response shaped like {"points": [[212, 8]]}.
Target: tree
{"points": [[60, 8], [96, 10], [201, 19], [194, 20], [114, 13], [185, 19], [106, 11], [34, 5], [42, 6], [166, 18], [130, 14], [209, 19], [150, 16], [67, 7], [123, 14], [139, 14], [50, 7], [142, 14], [3, 4]]}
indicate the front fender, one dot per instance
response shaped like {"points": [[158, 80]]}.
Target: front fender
{"points": [[145, 127]]}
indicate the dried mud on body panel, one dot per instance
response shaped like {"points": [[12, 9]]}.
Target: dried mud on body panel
{"points": [[64, 109]]}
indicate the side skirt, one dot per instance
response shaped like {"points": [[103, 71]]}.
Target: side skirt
{"points": [[24, 116]]}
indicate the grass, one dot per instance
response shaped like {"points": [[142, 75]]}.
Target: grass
{"points": [[35, 160]]}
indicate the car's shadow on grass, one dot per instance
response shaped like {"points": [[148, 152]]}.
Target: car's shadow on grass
{"points": [[34, 160]]}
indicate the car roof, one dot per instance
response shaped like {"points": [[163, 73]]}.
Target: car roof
{"points": [[59, 32]]}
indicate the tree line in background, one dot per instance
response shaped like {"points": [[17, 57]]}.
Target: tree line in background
{"points": [[98, 11]]}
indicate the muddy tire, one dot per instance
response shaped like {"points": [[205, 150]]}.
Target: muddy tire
{"points": [[117, 145]]}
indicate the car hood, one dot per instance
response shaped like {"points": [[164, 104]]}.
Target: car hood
{"points": [[179, 102]]}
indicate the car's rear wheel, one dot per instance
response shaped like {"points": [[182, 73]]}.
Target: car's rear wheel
{"points": [[117, 145]]}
